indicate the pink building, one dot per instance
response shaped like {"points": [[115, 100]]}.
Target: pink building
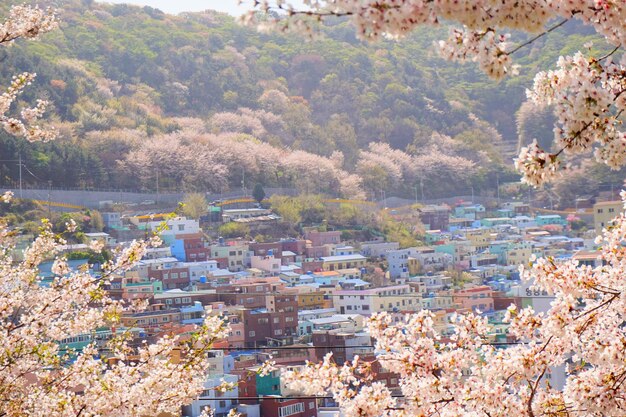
{"points": [[266, 263], [323, 238], [476, 298]]}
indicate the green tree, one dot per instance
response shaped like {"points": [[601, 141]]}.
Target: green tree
{"points": [[194, 205], [287, 207], [234, 229], [258, 193]]}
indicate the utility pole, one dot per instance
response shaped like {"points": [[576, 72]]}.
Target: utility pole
{"points": [[415, 193], [472, 193], [551, 204], [498, 187], [49, 190], [243, 181], [20, 164], [422, 188], [611, 191], [157, 187]]}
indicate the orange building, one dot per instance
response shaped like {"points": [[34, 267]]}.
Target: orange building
{"points": [[472, 299]]}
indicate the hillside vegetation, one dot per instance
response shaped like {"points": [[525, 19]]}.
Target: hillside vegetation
{"points": [[205, 104]]}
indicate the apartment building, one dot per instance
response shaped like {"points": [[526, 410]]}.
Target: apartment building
{"points": [[375, 300]]}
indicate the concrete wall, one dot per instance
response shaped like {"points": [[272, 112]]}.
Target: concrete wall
{"points": [[92, 199]]}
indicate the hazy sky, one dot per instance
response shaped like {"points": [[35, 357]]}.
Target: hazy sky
{"points": [[177, 6]]}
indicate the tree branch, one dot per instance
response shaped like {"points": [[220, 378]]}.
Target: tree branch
{"points": [[528, 42]]}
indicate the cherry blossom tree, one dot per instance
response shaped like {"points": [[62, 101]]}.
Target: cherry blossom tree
{"points": [[38, 374], [438, 160], [39, 377], [209, 162], [586, 90], [463, 373], [24, 22]]}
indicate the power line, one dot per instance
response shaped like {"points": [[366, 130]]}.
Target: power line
{"points": [[409, 295], [280, 397], [339, 347]]}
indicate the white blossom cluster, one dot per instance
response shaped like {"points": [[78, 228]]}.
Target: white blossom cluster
{"points": [[586, 93], [24, 22], [465, 375], [588, 96]]}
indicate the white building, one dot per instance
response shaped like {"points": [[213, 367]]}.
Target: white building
{"points": [[176, 226], [220, 402], [192, 314], [375, 300], [200, 269], [266, 263], [378, 249]]}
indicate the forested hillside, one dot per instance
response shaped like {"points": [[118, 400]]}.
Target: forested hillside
{"points": [[203, 102]]}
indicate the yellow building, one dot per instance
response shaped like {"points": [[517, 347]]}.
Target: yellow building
{"points": [[479, 238], [519, 254], [604, 212], [335, 263], [414, 266], [313, 300]]}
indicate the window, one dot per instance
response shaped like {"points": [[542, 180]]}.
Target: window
{"points": [[278, 332], [186, 299], [611, 210], [362, 297], [251, 333], [349, 307], [289, 410], [168, 301], [222, 404], [264, 320], [232, 253], [181, 227], [177, 301], [276, 320], [600, 210], [174, 275], [311, 405], [289, 319], [366, 307], [183, 275]]}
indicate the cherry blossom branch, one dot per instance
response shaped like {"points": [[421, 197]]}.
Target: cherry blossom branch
{"points": [[533, 391], [544, 33], [602, 58]]}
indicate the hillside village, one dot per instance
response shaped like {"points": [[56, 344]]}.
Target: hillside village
{"points": [[294, 300]]}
